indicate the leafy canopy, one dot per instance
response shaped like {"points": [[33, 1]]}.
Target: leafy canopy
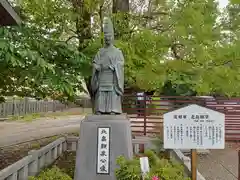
{"points": [[183, 47]]}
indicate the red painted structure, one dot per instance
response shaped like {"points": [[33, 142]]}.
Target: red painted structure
{"points": [[148, 119]]}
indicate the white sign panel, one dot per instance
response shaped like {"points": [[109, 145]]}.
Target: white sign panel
{"points": [[103, 150], [144, 165], [194, 127]]}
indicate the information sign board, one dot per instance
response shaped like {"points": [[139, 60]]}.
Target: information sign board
{"points": [[194, 127]]}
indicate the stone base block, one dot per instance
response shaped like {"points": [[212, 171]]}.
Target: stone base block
{"points": [[87, 153]]}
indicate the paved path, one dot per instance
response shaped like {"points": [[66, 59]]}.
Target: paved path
{"points": [[16, 132], [220, 164]]}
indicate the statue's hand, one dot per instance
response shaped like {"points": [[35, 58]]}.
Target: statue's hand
{"points": [[97, 67], [111, 67]]}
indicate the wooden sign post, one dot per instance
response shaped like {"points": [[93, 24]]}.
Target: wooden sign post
{"points": [[194, 164], [194, 127], [238, 164]]}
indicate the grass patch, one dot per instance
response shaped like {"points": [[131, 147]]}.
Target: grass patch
{"points": [[51, 174], [66, 163], [28, 117], [62, 169], [75, 134]]}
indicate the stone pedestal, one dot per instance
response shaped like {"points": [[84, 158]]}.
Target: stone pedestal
{"points": [[120, 143]]}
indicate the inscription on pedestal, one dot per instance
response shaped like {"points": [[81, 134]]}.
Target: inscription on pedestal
{"points": [[103, 150]]}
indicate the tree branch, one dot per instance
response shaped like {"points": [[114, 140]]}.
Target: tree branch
{"points": [[174, 48], [161, 28], [152, 14], [73, 31], [229, 62], [101, 20], [70, 38]]}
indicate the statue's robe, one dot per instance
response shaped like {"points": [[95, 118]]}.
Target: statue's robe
{"points": [[108, 83]]}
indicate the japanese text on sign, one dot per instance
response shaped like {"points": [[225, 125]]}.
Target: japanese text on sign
{"points": [[103, 150], [194, 127]]}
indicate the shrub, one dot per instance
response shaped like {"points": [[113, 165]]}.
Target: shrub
{"points": [[162, 168], [52, 174], [66, 163]]}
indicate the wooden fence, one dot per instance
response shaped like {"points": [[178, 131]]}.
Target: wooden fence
{"points": [[28, 106], [20, 107], [146, 112]]}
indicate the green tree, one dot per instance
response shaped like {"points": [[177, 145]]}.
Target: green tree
{"points": [[180, 45], [41, 58]]}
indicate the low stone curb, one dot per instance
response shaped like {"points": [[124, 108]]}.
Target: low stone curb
{"points": [[186, 162], [36, 160]]}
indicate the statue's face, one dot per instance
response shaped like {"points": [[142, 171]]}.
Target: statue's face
{"points": [[108, 38]]}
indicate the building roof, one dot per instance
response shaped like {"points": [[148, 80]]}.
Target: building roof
{"points": [[7, 14]]}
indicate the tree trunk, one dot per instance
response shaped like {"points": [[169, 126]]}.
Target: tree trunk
{"points": [[89, 88], [120, 10], [100, 13], [83, 23], [120, 6], [83, 31]]}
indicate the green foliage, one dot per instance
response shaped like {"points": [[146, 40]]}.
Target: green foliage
{"points": [[27, 117], [129, 169], [37, 58], [51, 174], [38, 66], [162, 168], [174, 48], [158, 143], [67, 162], [177, 89], [154, 106], [185, 50], [142, 61]]}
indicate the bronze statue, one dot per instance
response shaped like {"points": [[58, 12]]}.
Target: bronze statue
{"points": [[108, 75]]}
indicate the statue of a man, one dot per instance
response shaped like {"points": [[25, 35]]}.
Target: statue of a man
{"points": [[108, 75]]}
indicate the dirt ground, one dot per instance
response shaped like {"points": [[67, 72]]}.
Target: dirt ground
{"points": [[11, 154]]}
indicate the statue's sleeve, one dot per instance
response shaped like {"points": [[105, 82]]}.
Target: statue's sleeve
{"points": [[119, 70], [94, 80]]}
